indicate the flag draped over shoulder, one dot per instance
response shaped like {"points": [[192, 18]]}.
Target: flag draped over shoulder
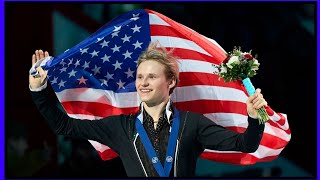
{"points": [[96, 79]]}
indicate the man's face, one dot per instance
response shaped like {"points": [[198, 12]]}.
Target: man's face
{"points": [[152, 84]]}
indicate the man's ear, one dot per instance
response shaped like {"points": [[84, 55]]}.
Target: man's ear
{"points": [[172, 83]]}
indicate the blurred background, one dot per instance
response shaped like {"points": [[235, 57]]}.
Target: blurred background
{"points": [[282, 34]]}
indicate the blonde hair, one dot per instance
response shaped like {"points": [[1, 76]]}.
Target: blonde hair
{"points": [[158, 53]]}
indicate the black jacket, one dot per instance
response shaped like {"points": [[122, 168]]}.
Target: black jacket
{"points": [[118, 132]]}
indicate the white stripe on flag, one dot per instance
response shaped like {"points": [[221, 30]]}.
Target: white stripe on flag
{"points": [[175, 42], [189, 65], [275, 117], [156, 20], [98, 146], [206, 92], [85, 116], [122, 100], [233, 119]]}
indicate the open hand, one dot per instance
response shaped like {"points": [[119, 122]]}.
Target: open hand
{"points": [[37, 81]]}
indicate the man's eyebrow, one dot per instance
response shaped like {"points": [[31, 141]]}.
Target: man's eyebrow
{"points": [[148, 74]]}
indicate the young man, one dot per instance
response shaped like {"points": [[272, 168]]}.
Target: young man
{"points": [[159, 140]]}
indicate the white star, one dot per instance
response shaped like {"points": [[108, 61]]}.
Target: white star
{"points": [[104, 43], [94, 53], [136, 29], [116, 28], [117, 65], [96, 70], [99, 39], [86, 65], [129, 73], [126, 38], [116, 48], [77, 63], [63, 63], [105, 58], [135, 17], [137, 45], [109, 76], [84, 50], [72, 73], [127, 54], [82, 80], [54, 81], [70, 62], [120, 83], [104, 82], [61, 83], [115, 34], [64, 69]]}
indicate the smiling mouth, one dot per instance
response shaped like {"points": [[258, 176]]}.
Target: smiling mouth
{"points": [[145, 90]]}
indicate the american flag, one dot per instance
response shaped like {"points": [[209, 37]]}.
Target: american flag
{"points": [[96, 79]]}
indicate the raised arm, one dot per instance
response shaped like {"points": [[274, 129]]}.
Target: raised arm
{"points": [[103, 131]]}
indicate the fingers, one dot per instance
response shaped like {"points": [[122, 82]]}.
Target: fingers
{"points": [[257, 100], [33, 59], [255, 95], [37, 55], [46, 54], [41, 54]]}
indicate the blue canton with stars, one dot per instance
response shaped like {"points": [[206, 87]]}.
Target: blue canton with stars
{"points": [[105, 60]]}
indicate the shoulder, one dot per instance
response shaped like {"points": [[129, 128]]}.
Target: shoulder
{"points": [[189, 114], [119, 119]]}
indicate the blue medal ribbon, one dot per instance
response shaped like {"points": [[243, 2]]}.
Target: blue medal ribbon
{"points": [[163, 172]]}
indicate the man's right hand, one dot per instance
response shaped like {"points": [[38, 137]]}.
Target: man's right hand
{"points": [[36, 82]]}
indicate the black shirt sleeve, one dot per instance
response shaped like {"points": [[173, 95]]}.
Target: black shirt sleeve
{"points": [[104, 130], [216, 137]]}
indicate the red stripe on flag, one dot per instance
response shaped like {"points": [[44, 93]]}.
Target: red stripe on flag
{"points": [[199, 78], [108, 154], [193, 55], [278, 126], [96, 109], [209, 106], [235, 158]]}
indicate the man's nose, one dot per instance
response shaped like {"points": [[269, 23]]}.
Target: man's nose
{"points": [[145, 82]]}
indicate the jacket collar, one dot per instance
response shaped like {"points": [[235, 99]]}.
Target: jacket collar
{"points": [[168, 112]]}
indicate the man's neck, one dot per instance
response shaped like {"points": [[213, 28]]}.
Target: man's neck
{"points": [[155, 110]]}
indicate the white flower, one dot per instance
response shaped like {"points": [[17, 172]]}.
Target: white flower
{"points": [[233, 59], [255, 65], [223, 69]]}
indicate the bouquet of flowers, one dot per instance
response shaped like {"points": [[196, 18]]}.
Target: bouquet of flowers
{"points": [[242, 66]]}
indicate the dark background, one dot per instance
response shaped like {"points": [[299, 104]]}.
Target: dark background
{"points": [[282, 34]]}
